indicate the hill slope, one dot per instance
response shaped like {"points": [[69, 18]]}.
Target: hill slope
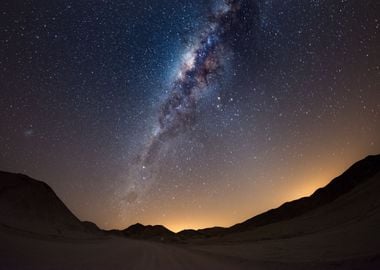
{"points": [[358, 174], [354, 179], [32, 206], [151, 232]]}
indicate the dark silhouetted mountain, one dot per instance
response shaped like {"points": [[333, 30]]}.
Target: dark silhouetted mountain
{"points": [[352, 180], [201, 233], [91, 227], [32, 206], [149, 232], [356, 175], [157, 232]]}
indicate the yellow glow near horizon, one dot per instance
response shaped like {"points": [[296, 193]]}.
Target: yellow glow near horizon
{"points": [[303, 189], [210, 211]]}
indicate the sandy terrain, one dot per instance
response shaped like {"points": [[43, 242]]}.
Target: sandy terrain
{"points": [[29, 252], [20, 252]]}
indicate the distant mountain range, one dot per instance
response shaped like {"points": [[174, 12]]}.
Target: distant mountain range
{"points": [[31, 206]]}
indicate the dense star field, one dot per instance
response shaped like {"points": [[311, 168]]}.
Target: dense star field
{"points": [[187, 113]]}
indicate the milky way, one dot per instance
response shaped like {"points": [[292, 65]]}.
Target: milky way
{"points": [[202, 61], [188, 113]]}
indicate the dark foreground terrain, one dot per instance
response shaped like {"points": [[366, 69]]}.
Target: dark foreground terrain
{"points": [[335, 228]]}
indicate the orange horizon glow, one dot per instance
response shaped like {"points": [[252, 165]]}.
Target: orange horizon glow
{"points": [[302, 182]]}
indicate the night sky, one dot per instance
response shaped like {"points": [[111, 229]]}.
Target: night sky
{"points": [[187, 113]]}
